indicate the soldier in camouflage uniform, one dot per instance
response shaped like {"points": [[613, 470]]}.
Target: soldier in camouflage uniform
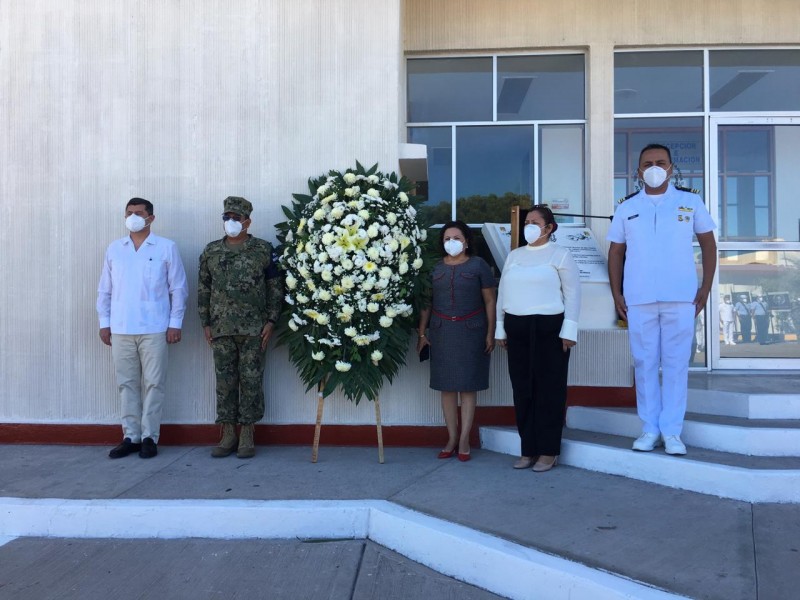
{"points": [[239, 296]]}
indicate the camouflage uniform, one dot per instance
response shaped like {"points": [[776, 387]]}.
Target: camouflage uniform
{"points": [[240, 289]]}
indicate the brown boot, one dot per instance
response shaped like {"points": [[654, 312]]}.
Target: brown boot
{"points": [[247, 447], [228, 442]]}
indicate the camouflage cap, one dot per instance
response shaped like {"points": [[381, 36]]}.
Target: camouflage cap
{"points": [[238, 205]]}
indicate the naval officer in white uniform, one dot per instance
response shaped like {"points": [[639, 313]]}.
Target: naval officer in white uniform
{"points": [[651, 238]]}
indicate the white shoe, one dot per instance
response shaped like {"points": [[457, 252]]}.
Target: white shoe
{"points": [[647, 442], [674, 445]]}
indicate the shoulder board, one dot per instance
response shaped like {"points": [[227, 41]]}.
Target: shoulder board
{"points": [[685, 189], [631, 195]]}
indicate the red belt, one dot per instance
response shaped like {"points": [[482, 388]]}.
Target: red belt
{"points": [[474, 313]]}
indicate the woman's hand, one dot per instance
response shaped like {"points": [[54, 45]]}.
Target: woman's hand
{"points": [[489, 344], [422, 341], [566, 344]]}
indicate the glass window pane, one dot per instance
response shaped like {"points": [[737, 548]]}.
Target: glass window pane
{"points": [[764, 286], [754, 80], [683, 136], [561, 179], [439, 193], [658, 82], [540, 87], [494, 170], [449, 89]]}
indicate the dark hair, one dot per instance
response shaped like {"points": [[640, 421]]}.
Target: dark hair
{"points": [[547, 215], [148, 206], [655, 147], [465, 231]]}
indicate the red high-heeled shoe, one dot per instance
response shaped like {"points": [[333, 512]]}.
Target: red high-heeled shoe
{"points": [[446, 454], [464, 457]]}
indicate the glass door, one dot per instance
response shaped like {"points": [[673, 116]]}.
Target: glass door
{"points": [[754, 308]]}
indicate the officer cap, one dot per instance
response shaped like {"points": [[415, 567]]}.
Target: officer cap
{"points": [[238, 205]]}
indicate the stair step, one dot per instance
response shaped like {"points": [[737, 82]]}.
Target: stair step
{"points": [[737, 435], [748, 405], [747, 478]]}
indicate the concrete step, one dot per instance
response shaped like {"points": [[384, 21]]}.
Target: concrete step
{"points": [[746, 405], [747, 478], [752, 437]]}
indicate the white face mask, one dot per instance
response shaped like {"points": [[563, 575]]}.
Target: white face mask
{"points": [[232, 228], [454, 247], [135, 223], [532, 233], [654, 176]]}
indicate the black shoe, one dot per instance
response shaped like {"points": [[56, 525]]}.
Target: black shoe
{"points": [[149, 448], [125, 448]]}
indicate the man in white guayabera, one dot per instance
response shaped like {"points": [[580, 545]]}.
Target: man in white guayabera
{"points": [[651, 239], [141, 299]]}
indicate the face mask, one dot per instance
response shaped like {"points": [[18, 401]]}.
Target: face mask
{"points": [[532, 233], [654, 176], [454, 247], [135, 223], [233, 228]]}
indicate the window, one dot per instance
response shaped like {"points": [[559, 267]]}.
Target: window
{"points": [[747, 80], [500, 130]]}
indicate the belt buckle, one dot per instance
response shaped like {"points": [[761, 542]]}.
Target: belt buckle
{"points": [[454, 318]]}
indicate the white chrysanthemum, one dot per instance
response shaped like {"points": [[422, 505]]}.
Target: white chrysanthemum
{"points": [[322, 190], [323, 319], [370, 267], [337, 212], [403, 197], [376, 356], [327, 276], [319, 214], [373, 179], [342, 366], [347, 264], [363, 213], [385, 273], [324, 295], [350, 192], [301, 224], [362, 340], [386, 321], [328, 199], [291, 282], [391, 218], [328, 238], [393, 245], [423, 235], [348, 283], [403, 268], [373, 253], [391, 312], [302, 299], [311, 285], [373, 307], [350, 331], [372, 231], [335, 252], [348, 310], [382, 283], [318, 355], [322, 257], [293, 326], [349, 178], [417, 264], [373, 193]]}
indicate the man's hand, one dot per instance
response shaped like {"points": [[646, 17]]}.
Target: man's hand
{"points": [[621, 306], [501, 343], [700, 300], [207, 334], [173, 335], [266, 333], [566, 344], [105, 335]]}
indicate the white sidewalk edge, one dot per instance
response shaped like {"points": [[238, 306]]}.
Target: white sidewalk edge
{"points": [[477, 558]]}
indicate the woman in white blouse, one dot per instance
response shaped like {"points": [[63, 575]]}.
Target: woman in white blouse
{"points": [[538, 304]]}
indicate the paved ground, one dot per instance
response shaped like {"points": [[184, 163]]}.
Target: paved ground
{"points": [[687, 543]]}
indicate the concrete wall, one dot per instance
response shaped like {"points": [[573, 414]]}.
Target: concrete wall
{"points": [[182, 102]]}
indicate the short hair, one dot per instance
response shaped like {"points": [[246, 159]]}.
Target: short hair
{"points": [[655, 147], [465, 231], [547, 215], [148, 206]]}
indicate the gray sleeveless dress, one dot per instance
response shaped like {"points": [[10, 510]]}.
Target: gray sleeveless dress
{"points": [[458, 361]]}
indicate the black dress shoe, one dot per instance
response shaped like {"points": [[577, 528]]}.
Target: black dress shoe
{"points": [[125, 448], [149, 448]]}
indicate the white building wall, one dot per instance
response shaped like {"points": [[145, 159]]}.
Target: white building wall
{"points": [[183, 103]]}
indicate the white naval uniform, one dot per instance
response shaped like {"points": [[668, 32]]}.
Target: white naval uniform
{"points": [[659, 285]]}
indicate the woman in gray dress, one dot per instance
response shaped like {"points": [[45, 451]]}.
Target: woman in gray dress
{"points": [[461, 334]]}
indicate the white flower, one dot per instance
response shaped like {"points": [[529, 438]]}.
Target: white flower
{"points": [[319, 214], [322, 257], [328, 238], [403, 268], [328, 199], [403, 197], [348, 283], [391, 312], [347, 264], [350, 192], [327, 276], [394, 245], [373, 253], [391, 218], [376, 356], [348, 310], [342, 366], [385, 273], [293, 326], [318, 355], [324, 295], [372, 230], [350, 331], [337, 212], [417, 264], [323, 189], [373, 179], [323, 319], [349, 178], [373, 193], [302, 299], [289, 300], [370, 267], [364, 214], [386, 321], [362, 340], [423, 235], [291, 282], [373, 307]]}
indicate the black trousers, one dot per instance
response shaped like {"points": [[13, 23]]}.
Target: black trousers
{"points": [[537, 366]]}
